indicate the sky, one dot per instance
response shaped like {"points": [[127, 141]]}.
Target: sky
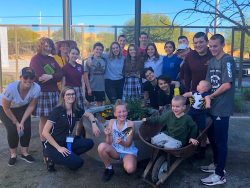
{"points": [[87, 12], [98, 12]]}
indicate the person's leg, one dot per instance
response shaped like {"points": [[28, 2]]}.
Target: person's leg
{"points": [[110, 89], [221, 136], [106, 153], [82, 145], [129, 163], [119, 88], [71, 161], [211, 137], [12, 135], [42, 122], [99, 97]]}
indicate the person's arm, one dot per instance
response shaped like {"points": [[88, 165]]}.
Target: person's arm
{"points": [[46, 134], [187, 94], [187, 75], [29, 110], [129, 140], [108, 132], [57, 76], [83, 88], [208, 102], [176, 83], [63, 82], [224, 87], [6, 107], [92, 119]]}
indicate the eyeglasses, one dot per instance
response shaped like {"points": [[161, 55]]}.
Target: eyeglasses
{"points": [[70, 94], [26, 77]]}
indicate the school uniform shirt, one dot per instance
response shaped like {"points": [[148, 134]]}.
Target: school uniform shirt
{"points": [[219, 72], [153, 93], [73, 75], [62, 124], [155, 64], [165, 98], [171, 66], [12, 94]]}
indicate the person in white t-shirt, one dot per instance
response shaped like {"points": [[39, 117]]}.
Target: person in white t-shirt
{"points": [[17, 103]]}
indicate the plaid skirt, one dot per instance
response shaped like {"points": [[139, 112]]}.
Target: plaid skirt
{"points": [[46, 102], [132, 88], [79, 97]]}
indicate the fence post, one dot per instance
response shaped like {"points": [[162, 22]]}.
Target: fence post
{"points": [[232, 43], [242, 40], [16, 52]]}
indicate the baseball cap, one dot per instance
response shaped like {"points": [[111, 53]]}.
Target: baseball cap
{"points": [[27, 72], [182, 47]]}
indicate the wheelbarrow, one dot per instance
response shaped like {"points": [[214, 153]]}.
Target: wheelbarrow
{"points": [[165, 160]]}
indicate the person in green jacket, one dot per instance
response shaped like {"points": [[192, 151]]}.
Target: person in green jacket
{"points": [[176, 123]]}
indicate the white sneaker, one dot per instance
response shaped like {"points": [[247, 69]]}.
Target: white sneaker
{"points": [[210, 168], [214, 179]]}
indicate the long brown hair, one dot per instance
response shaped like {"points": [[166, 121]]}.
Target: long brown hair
{"points": [[41, 43], [61, 98]]}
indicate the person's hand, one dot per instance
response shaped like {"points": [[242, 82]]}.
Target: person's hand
{"points": [[89, 62], [144, 119], [119, 140], [45, 77], [95, 129], [64, 151], [193, 141], [107, 131], [208, 106], [19, 127]]}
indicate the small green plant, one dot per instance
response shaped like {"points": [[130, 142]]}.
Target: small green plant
{"points": [[240, 104], [246, 94], [136, 111]]}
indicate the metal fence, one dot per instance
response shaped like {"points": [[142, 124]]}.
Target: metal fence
{"points": [[21, 42]]}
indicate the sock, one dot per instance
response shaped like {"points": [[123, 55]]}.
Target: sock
{"points": [[109, 167]]}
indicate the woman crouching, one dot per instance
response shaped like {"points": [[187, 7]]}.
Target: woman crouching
{"points": [[61, 147]]}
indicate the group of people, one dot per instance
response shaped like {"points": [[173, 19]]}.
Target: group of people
{"points": [[205, 75]]}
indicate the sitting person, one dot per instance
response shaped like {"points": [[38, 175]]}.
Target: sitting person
{"points": [[179, 125], [58, 133], [118, 145], [167, 91], [199, 102]]}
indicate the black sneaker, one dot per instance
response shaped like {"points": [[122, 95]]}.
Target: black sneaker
{"points": [[108, 173], [12, 161], [50, 165], [28, 158]]}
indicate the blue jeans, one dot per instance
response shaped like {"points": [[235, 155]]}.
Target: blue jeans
{"points": [[218, 137], [72, 161]]}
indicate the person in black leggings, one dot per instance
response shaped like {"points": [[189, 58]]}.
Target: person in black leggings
{"points": [[17, 103], [58, 133]]}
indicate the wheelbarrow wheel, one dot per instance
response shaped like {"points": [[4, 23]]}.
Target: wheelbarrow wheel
{"points": [[160, 168]]}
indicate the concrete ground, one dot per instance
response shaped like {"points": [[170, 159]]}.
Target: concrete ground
{"points": [[186, 175]]}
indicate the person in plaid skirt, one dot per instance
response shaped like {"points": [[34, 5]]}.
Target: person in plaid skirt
{"points": [[76, 81], [132, 69], [48, 73]]}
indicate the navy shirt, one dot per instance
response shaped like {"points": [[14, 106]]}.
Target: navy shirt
{"points": [[62, 123], [153, 93], [171, 66]]}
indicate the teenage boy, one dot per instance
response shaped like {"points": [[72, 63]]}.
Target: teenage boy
{"points": [[143, 42], [221, 74], [122, 42], [94, 76], [196, 62]]}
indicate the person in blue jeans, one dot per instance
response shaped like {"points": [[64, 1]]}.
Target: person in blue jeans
{"points": [[61, 147], [221, 75]]}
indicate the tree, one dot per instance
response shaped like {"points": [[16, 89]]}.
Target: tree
{"points": [[156, 34], [58, 35]]}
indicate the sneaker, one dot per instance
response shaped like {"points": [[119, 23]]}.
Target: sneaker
{"points": [[28, 158], [108, 173], [12, 161], [210, 168], [50, 165], [214, 179]]}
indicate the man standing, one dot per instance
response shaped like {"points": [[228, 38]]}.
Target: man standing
{"points": [[196, 62], [122, 42], [221, 74]]}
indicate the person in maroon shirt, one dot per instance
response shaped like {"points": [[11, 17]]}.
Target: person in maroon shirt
{"points": [[196, 62], [122, 42], [143, 42], [48, 73]]}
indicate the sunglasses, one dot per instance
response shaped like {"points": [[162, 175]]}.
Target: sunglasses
{"points": [[26, 77], [70, 94]]}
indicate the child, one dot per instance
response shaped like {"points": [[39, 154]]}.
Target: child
{"points": [[166, 91], [199, 102], [178, 125], [118, 145], [94, 76]]}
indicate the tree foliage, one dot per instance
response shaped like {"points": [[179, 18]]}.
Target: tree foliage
{"points": [[156, 34]]}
